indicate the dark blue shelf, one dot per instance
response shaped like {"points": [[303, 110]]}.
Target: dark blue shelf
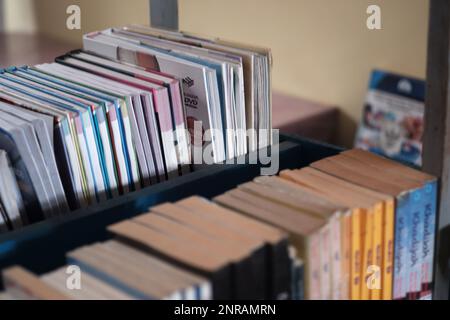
{"points": [[42, 247]]}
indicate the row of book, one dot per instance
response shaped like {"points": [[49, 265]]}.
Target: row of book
{"points": [[191, 249], [364, 225], [351, 226], [134, 109]]}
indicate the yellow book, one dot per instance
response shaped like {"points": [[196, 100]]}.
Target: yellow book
{"points": [[377, 251], [388, 249], [367, 254], [355, 258]]}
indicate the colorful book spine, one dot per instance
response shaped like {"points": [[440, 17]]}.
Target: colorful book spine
{"points": [[429, 233], [388, 249], [401, 269], [367, 254], [415, 242], [377, 252]]}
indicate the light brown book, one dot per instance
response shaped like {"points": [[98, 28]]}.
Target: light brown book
{"points": [[128, 277], [395, 185], [17, 279], [383, 234], [91, 287], [270, 259], [207, 242], [302, 228], [245, 252], [215, 267], [313, 202], [388, 165], [258, 229], [362, 204], [188, 281]]}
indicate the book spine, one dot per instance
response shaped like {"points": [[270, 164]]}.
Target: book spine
{"points": [[313, 268], [355, 258], [325, 258], [377, 244], [388, 249], [415, 242], [336, 257], [429, 231], [401, 271], [367, 254]]}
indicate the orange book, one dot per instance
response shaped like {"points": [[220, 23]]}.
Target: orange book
{"points": [[388, 249], [377, 250]]}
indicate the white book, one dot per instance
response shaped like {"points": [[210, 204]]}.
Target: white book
{"points": [[201, 95], [20, 140], [131, 137], [177, 105], [90, 147], [77, 124], [10, 197], [41, 122], [108, 123], [63, 137], [161, 98]]}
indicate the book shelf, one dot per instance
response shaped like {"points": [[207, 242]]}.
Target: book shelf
{"points": [[436, 138], [42, 247]]}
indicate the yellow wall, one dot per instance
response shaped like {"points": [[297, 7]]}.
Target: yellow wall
{"points": [[322, 49]]}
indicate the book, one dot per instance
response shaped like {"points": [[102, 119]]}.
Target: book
{"points": [[362, 205], [408, 212], [327, 231], [99, 124], [301, 228], [146, 278], [429, 194], [12, 205], [25, 285], [274, 262], [392, 120], [91, 288]]}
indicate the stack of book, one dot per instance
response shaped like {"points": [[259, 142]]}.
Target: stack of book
{"points": [[192, 249], [364, 225], [137, 107], [351, 226]]}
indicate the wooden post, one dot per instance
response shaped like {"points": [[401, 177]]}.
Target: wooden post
{"points": [[436, 139], [164, 14]]}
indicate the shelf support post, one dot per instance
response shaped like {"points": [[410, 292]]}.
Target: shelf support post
{"points": [[436, 138], [164, 14]]}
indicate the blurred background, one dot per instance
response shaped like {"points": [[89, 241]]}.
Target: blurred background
{"points": [[323, 52]]}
